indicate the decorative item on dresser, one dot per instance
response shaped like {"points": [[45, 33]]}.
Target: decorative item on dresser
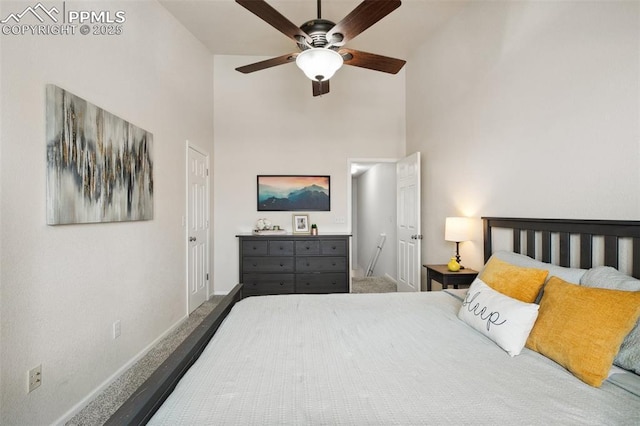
{"points": [[285, 264], [300, 223]]}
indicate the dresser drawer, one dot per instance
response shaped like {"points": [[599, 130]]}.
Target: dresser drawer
{"points": [[253, 247], [262, 284], [321, 264], [280, 248], [322, 283], [267, 264], [307, 247], [333, 247]]}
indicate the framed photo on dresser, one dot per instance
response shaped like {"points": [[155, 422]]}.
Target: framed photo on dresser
{"points": [[301, 224]]}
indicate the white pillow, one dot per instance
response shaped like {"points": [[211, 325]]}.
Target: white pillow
{"points": [[504, 320]]}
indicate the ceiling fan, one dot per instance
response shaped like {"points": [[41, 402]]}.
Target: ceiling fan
{"points": [[321, 41]]}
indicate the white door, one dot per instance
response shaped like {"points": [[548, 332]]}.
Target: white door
{"points": [[408, 222], [197, 227]]}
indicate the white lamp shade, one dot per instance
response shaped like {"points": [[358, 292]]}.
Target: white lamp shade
{"points": [[458, 229], [319, 64]]}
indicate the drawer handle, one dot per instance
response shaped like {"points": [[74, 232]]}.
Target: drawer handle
{"points": [[281, 264], [333, 263], [333, 247], [307, 247], [255, 264], [308, 264], [281, 283]]}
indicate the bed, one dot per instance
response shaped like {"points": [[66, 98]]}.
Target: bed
{"points": [[414, 358]]}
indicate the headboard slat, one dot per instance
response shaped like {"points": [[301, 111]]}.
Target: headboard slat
{"points": [[614, 232], [531, 243], [586, 251], [517, 241], [565, 249], [636, 259], [611, 251], [546, 246]]}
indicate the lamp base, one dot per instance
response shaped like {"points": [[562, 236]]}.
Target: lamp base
{"points": [[458, 254]]}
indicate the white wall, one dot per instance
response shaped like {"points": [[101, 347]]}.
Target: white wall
{"points": [[268, 123], [527, 109], [377, 215], [63, 286]]}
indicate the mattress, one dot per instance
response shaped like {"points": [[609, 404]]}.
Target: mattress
{"points": [[377, 359]]}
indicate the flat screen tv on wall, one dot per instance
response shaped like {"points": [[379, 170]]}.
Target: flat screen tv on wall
{"points": [[294, 193]]}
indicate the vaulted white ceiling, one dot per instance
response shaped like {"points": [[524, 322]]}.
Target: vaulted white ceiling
{"points": [[226, 28]]}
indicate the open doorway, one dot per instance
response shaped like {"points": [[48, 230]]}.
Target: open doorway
{"points": [[384, 214], [373, 224]]}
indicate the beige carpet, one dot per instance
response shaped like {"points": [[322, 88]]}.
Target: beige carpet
{"points": [[373, 285]]}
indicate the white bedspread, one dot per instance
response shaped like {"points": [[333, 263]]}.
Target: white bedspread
{"points": [[376, 359]]}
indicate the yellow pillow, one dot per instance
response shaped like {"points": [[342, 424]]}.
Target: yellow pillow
{"points": [[514, 281], [582, 328]]}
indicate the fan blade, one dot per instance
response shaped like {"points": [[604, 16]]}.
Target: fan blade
{"points": [[264, 11], [320, 87], [358, 58], [280, 60], [362, 17]]}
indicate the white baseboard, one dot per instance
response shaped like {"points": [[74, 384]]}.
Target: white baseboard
{"points": [[390, 278], [94, 394]]}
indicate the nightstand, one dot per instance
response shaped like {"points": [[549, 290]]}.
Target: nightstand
{"points": [[445, 277]]}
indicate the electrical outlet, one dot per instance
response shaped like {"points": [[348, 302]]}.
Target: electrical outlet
{"points": [[116, 329], [339, 219], [35, 378]]}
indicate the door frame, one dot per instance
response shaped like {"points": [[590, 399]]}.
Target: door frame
{"points": [[190, 145]]}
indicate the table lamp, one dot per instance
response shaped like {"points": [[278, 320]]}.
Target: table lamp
{"points": [[458, 229]]}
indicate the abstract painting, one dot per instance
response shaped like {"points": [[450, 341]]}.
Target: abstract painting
{"points": [[293, 193], [99, 166]]}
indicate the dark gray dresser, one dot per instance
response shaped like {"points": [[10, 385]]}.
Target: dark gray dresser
{"points": [[284, 264]]}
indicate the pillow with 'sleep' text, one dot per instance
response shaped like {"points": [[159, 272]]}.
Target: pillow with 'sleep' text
{"points": [[504, 320]]}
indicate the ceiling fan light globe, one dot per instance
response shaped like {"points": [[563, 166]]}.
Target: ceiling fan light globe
{"points": [[319, 64]]}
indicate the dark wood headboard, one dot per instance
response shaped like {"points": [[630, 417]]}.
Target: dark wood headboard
{"points": [[613, 231]]}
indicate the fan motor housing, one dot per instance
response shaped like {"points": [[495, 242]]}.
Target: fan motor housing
{"points": [[317, 30]]}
